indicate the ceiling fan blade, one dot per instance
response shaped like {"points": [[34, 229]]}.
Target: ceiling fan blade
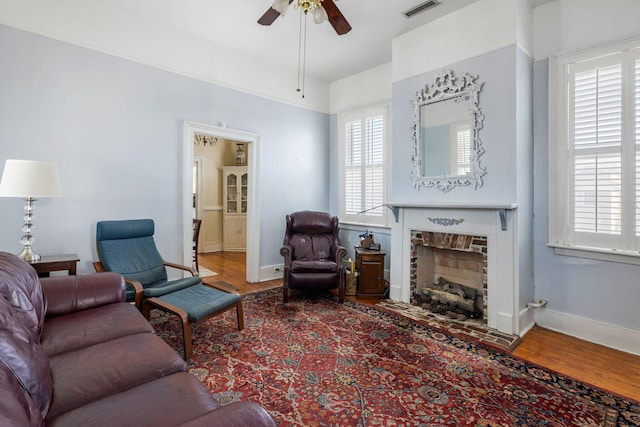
{"points": [[337, 20], [269, 16]]}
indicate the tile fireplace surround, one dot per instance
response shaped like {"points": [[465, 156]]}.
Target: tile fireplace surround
{"points": [[498, 223]]}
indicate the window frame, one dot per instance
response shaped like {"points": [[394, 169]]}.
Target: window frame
{"points": [[561, 236], [363, 114]]}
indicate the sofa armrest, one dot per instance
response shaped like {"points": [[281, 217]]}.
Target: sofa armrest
{"points": [[239, 414], [68, 294]]}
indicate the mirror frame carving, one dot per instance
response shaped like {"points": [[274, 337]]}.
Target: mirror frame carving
{"points": [[443, 88]]}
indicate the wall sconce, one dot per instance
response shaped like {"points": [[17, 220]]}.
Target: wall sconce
{"points": [[31, 180]]}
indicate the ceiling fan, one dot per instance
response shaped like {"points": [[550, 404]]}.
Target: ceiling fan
{"points": [[321, 10]]}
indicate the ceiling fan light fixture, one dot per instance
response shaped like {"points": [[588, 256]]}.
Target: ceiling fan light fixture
{"points": [[280, 6], [320, 15], [308, 5]]}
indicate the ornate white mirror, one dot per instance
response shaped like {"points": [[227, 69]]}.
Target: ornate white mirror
{"points": [[447, 121]]}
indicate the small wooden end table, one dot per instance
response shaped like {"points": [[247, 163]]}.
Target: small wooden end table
{"points": [[370, 266], [48, 263]]}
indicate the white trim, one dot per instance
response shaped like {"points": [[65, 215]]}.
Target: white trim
{"points": [[211, 247], [376, 229], [527, 320], [612, 336], [597, 254], [269, 272], [253, 203], [212, 208]]}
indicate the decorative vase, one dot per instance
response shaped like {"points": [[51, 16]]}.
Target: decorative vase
{"points": [[240, 156]]}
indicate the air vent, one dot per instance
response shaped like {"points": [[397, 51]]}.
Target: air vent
{"points": [[420, 8]]}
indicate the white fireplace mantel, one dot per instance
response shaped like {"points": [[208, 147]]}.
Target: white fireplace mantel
{"points": [[488, 219], [501, 208]]}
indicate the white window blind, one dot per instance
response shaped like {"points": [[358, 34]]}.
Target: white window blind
{"points": [[363, 181], [595, 164], [463, 148]]}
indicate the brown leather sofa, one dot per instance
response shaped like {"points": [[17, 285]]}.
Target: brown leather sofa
{"points": [[74, 353]]}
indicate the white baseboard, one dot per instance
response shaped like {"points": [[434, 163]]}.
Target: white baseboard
{"points": [[616, 337], [211, 247], [527, 321], [271, 272]]}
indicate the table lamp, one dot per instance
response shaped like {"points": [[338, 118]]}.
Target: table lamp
{"points": [[31, 180]]}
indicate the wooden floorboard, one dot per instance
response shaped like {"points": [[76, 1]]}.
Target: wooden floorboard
{"points": [[612, 370]]}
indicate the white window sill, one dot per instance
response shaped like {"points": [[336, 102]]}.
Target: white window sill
{"points": [[374, 228], [611, 255]]}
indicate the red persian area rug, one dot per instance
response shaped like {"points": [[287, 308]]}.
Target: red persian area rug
{"points": [[315, 362]]}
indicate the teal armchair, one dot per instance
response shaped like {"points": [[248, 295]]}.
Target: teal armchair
{"points": [[127, 247]]}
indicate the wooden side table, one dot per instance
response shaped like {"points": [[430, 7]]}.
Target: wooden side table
{"points": [[370, 266], [48, 263]]}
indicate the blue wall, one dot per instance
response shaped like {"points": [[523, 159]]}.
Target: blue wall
{"points": [[498, 103], [115, 129]]}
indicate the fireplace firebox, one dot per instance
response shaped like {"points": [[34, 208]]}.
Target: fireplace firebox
{"points": [[449, 274]]}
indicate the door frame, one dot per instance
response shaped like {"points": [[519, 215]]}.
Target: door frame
{"points": [[253, 213]]}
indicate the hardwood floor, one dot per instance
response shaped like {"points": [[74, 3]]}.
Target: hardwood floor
{"points": [[606, 368]]}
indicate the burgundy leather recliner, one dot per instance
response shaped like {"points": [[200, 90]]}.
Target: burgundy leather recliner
{"points": [[312, 253]]}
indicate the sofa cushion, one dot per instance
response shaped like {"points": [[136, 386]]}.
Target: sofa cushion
{"points": [[68, 294], [20, 285], [168, 401], [20, 351], [110, 367], [16, 406], [85, 328]]}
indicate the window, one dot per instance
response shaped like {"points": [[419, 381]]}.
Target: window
{"points": [[594, 181], [462, 155], [363, 142]]}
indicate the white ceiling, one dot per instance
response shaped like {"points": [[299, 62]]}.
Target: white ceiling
{"points": [[233, 23]]}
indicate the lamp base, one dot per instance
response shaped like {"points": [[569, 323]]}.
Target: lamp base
{"points": [[28, 255]]}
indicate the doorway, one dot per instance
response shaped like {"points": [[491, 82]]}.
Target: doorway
{"points": [[253, 216]]}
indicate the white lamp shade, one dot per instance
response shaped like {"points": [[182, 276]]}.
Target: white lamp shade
{"points": [[29, 178]]}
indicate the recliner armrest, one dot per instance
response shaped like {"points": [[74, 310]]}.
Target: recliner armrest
{"points": [[287, 252], [68, 294], [340, 252], [239, 414]]}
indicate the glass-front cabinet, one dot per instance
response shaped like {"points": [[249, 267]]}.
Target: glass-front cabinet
{"points": [[234, 229]]}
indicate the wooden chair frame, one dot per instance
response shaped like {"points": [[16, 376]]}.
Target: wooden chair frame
{"points": [[197, 223], [137, 286]]}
